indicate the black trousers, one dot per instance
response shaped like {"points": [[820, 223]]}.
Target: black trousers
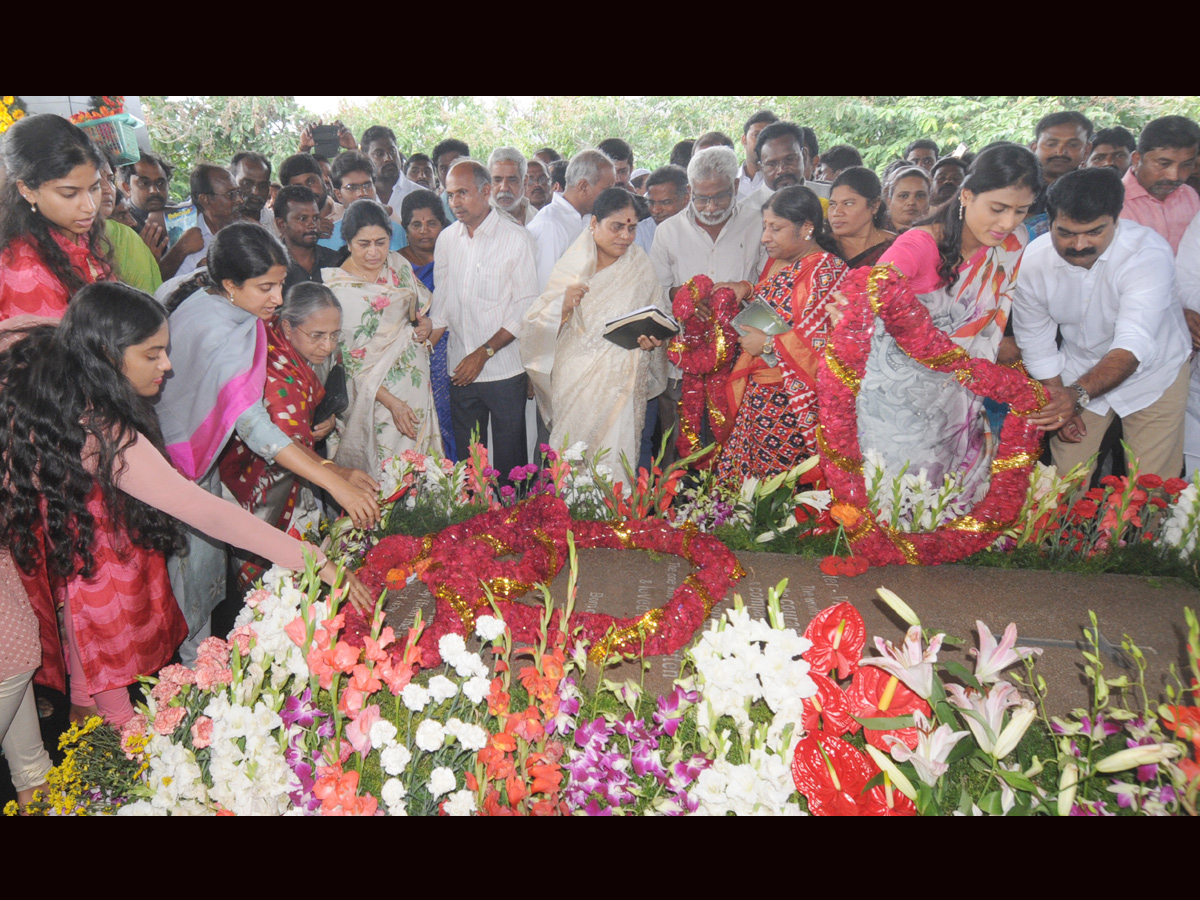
{"points": [[503, 404]]}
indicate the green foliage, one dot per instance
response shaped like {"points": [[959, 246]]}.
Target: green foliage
{"points": [[193, 129]]}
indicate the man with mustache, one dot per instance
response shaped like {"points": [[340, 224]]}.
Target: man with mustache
{"points": [[391, 186], [1106, 284], [252, 173], [782, 160], [508, 168], [537, 183], [1155, 191], [217, 199], [1061, 142], [298, 219]]}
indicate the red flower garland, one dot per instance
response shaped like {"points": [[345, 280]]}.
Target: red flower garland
{"points": [[705, 351], [456, 564], [883, 291]]}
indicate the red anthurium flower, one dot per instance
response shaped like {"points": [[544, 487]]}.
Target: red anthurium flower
{"points": [[831, 774], [838, 636], [875, 693], [828, 709]]}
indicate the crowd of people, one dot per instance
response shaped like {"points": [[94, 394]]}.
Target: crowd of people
{"points": [[168, 391]]}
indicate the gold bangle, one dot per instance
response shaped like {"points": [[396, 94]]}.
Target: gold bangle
{"points": [[327, 462]]}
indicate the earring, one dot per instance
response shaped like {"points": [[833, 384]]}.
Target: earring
{"points": [[230, 296], [960, 210], [808, 237]]}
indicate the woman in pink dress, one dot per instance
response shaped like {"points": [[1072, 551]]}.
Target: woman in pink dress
{"points": [[89, 507]]}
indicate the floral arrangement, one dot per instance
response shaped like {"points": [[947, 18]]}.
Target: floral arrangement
{"points": [[882, 292], [12, 109], [704, 352], [100, 108], [287, 716], [462, 567]]}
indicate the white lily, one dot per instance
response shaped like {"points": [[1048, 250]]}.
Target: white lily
{"points": [[899, 779], [993, 658], [902, 609], [1068, 781], [1145, 755], [910, 663], [933, 746], [1018, 723], [990, 707]]}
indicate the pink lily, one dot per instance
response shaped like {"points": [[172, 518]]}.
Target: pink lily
{"points": [[933, 746], [993, 658], [989, 707], [910, 664]]}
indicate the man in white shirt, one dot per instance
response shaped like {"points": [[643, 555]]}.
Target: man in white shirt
{"points": [[558, 225], [750, 175], [782, 160], [485, 280], [508, 168], [1108, 285], [1187, 288], [714, 236], [378, 144], [217, 198]]}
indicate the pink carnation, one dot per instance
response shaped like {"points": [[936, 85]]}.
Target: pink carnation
{"points": [[256, 597], [168, 719], [202, 732], [181, 675], [242, 637], [212, 649], [211, 676], [164, 692]]}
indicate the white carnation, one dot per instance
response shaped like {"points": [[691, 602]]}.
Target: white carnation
{"points": [[414, 696], [393, 792], [382, 733], [476, 688], [430, 736], [395, 759], [488, 628], [441, 781], [451, 646], [442, 688], [461, 803]]}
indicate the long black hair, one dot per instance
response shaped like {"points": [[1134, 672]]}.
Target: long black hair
{"points": [[997, 166], [38, 149], [799, 204], [67, 415], [237, 253]]}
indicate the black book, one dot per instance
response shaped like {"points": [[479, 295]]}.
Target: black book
{"points": [[625, 330]]}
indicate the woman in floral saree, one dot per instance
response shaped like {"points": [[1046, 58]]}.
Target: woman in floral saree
{"points": [[384, 347], [777, 405]]}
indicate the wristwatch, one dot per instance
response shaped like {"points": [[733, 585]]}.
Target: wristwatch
{"points": [[1082, 397], [768, 346], [488, 350]]}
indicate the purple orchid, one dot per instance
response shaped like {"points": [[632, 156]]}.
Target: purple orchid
{"points": [[301, 710]]}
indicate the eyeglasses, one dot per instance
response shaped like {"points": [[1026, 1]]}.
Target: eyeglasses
{"points": [[714, 200], [791, 162], [532, 179], [233, 193], [321, 337], [364, 187], [146, 184]]}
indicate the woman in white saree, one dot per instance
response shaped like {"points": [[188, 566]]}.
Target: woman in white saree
{"points": [[384, 346], [587, 388]]}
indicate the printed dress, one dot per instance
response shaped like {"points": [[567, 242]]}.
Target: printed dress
{"points": [[379, 350], [776, 407]]}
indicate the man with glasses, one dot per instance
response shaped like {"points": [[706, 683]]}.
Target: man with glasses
{"points": [[537, 184], [299, 222], [714, 236], [216, 198], [355, 178]]}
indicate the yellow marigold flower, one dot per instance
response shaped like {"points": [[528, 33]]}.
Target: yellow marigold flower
{"points": [[9, 101], [11, 808], [18, 114]]}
